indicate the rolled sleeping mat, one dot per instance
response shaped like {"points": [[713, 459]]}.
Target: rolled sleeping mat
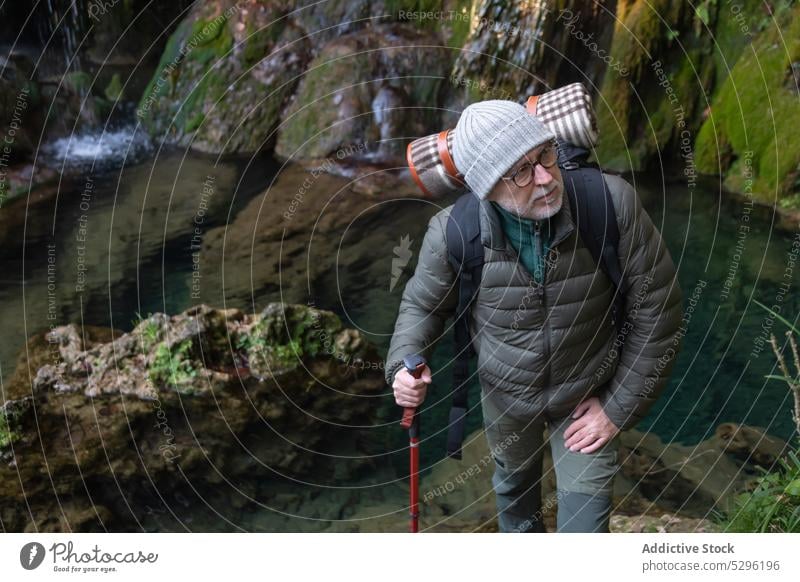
{"points": [[567, 111]]}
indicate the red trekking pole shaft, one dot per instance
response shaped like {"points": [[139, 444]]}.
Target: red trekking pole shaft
{"points": [[414, 364]]}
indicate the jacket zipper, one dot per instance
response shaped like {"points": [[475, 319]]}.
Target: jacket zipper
{"points": [[545, 324]]}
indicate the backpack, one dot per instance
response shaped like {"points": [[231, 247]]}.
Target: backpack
{"points": [[593, 213]]}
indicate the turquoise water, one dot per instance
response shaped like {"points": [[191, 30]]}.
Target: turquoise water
{"points": [[719, 374]]}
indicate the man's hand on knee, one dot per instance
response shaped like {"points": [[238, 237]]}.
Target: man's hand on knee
{"points": [[591, 430]]}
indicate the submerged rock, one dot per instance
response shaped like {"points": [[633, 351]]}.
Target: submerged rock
{"points": [[193, 402]]}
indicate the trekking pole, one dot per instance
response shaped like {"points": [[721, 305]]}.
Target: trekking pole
{"points": [[414, 364]]}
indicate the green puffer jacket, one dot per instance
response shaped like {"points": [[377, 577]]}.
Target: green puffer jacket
{"points": [[545, 348]]}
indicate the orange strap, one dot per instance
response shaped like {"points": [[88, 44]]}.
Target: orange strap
{"points": [[530, 105], [444, 154]]}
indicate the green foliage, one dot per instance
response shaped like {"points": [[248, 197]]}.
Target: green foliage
{"points": [[150, 333], [773, 506], [172, 366], [260, 351], [307, 332], [7, 435], [113, 91]]}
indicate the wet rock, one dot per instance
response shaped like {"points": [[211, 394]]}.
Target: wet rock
{"points": [[224, 77], [363, 88], [208, 395]]}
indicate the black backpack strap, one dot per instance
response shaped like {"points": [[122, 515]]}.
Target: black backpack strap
{"points": [[593, 213], [465, 253]]}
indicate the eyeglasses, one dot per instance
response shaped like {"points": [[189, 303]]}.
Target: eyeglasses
{"points": [[524, 174]]}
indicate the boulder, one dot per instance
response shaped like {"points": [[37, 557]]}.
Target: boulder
{"points": [[207, 397]]}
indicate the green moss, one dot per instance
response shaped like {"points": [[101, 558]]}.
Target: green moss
{"points": [[640, 28], [195, 122], [709, 154], [258, 42], [791, 202], [212, 39], [149, 332], [113, 91], [169, 58], [263, 353], [173, 367], [754, 112], [314, 109], [460, 26], [733, 31], [8, 434]]}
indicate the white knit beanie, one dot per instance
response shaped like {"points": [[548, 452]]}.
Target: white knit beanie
{"points": [[490, 137]]}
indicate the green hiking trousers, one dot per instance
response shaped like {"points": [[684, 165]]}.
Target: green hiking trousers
{"points": [[583, 480]]}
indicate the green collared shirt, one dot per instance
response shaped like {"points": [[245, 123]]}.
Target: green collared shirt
{"points": [[531, 247]]}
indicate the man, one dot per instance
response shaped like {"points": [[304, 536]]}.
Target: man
{"points": [[549, 354]]}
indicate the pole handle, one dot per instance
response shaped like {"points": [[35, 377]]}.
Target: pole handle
{"points": [[410, 412]]}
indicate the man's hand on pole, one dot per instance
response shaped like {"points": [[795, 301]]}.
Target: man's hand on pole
{"points": [[409, 392]]}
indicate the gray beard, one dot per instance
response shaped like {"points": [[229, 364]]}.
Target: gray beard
{"points": [[507, 202]]}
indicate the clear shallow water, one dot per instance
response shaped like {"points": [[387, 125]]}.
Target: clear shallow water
{"points": [[138, 229]]}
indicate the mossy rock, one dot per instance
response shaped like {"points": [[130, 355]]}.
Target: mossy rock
{"points": [[224, 78], [640, 33], [334, 108], [749, 134]]}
